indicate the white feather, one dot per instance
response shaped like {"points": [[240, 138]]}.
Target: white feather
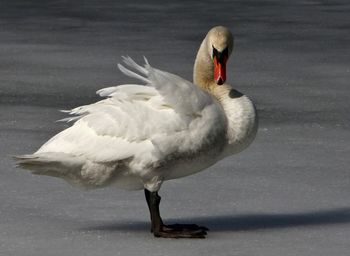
{"points": [[142, 134], [135, 131]]}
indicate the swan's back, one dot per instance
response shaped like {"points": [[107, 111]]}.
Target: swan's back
{"points": [[137, 129]]}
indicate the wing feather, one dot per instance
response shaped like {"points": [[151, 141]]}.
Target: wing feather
{"points": [[145, 123]]}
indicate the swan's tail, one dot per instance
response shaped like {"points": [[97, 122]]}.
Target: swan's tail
{"points": [[51, 164], [76, 170]]}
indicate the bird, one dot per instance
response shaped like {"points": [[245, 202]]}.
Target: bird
{"points": [[165, 127]]}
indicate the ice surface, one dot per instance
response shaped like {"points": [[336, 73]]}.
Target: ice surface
{"points": [[288, 194]]}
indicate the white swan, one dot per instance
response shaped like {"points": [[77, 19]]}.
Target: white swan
{"points": [[142, 135]]}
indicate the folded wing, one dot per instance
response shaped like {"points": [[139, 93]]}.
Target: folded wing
{"points": [[136, 127]]}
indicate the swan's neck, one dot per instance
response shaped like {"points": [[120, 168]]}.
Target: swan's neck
{"points": [[203, 71], [239, 110]]}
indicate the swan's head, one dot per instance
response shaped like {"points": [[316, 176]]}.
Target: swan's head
{"points": [[219, 46]]}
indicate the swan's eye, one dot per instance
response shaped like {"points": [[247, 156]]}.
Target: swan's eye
{"points": [[225, 52], [215, 52]]}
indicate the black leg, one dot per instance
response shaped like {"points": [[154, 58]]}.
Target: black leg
{"points": [[153, 201], [170, 231]]}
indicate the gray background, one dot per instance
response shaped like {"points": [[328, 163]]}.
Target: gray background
{"points": [[288, 194]]}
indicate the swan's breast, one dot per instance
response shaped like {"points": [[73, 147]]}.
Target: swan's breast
{"points": [[242, 121]]}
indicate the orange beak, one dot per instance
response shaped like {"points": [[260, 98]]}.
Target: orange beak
{"points": [[220, 70]]}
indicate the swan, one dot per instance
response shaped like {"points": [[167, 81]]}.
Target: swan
{"points": [[165, 128]]}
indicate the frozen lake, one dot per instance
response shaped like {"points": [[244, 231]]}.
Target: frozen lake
{"points": [[288, 194]]}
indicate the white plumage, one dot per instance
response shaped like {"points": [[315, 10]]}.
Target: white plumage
{"points": [[137, 129], [165, 128], [141, 135]]}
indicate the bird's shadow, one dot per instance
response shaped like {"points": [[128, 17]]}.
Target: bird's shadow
{"points": [[245, 222]]}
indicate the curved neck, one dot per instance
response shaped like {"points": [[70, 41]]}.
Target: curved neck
{"points": [[203, 71]]}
